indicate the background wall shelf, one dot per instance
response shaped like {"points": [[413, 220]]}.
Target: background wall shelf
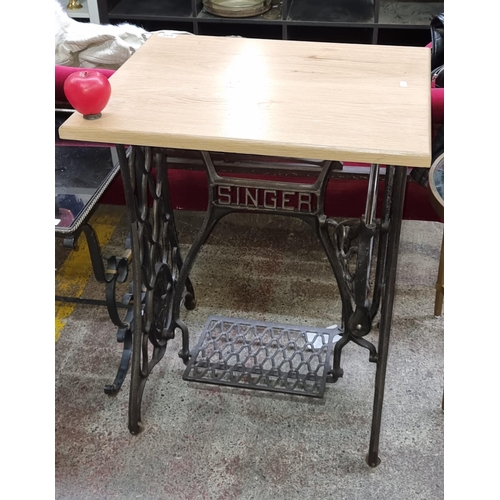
{"points": [[397, 22]]}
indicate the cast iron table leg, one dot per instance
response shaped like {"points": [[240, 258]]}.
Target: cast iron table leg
{"points": [[397, 202], [156, 265]]}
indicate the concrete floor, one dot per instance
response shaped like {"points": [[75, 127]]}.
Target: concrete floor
{"points": [[210, 442]]}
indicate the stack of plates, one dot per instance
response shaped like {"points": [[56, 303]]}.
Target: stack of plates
{"points": [[237, 8]]}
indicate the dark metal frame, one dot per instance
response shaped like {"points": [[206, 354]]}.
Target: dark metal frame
{"points": [[161, 276], [109, 271]]}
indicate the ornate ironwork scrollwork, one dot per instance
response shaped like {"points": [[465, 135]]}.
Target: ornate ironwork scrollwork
{"points": [[344, 236], [110, 271], [352, 242], [159, 306], [156, 270]]}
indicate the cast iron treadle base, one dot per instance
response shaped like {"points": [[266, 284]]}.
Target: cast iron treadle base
{"points": [[260, 355]]}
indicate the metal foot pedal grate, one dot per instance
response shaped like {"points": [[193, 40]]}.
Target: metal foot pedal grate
{"points": [[264, 356]]}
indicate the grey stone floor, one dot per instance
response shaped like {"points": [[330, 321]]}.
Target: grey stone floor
{"points": [[211, 442]]}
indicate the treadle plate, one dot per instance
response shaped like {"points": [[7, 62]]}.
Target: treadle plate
{"points": [[261, 355]]}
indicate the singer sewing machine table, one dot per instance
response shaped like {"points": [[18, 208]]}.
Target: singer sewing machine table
{"points": [[320, 103]]}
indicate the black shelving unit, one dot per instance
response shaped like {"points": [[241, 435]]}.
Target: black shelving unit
{"points": [[392, 22]]}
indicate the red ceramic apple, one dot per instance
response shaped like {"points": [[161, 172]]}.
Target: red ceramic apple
{"points": [[88, 91]]}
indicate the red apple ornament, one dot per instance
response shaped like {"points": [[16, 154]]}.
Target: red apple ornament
{"points": [[88, 91]]}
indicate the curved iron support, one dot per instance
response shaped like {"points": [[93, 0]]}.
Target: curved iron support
{"points": [[115, 271], [124, 335]]}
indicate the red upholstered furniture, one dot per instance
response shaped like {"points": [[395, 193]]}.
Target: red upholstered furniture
{"points": [[437, 105]]}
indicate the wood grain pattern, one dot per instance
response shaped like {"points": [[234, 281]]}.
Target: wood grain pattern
{"points": [[326, 101]]}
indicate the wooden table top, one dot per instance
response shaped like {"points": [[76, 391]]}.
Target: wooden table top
{"points": [[326, 101]]}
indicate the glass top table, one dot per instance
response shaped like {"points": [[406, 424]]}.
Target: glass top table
{"points": [[81, 176]]}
